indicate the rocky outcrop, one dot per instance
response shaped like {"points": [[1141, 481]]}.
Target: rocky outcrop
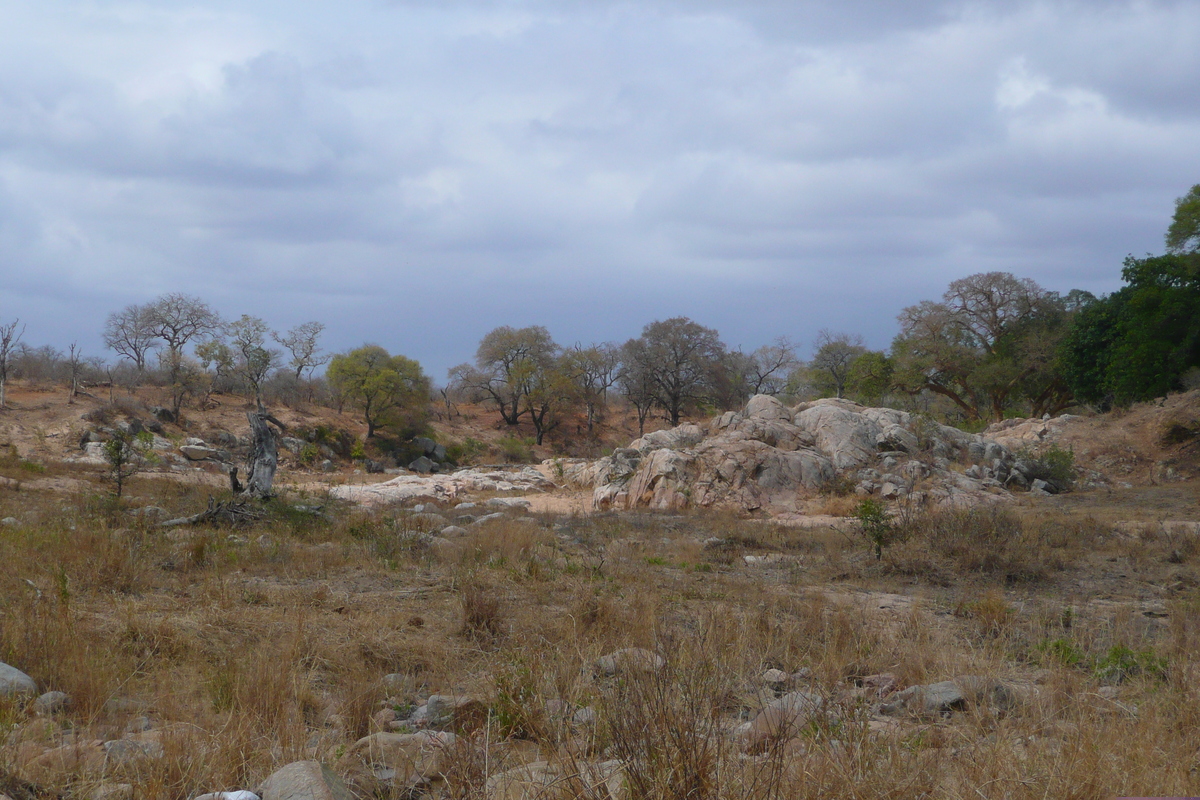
{"points": [[769, 456], [445, 488]]}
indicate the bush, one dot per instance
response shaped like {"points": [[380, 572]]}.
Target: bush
{"points": [[874, 523], [517, 449], [1054, 465]]}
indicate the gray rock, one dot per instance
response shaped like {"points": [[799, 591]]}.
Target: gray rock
{"points": [[422, 465], [128, 751], [240, 794], [373, 467], [197, 452], [163, 414], [327, 466], [782, 719], [51, 703], [9, 521], [452, 530], [13, 682], [304, 780], [927, 700], [488, 518], [292, 444], [507, 502], [464, 506], [1040, 486], [629, 660]]}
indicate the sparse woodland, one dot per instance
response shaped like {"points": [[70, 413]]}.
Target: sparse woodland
{"points": [[483, 646]]}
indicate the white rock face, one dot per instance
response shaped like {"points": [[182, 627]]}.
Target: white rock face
{"points": [[773, 457], [445, 488]]}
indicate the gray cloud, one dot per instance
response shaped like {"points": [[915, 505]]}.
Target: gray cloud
{"points": [[415, 173]]}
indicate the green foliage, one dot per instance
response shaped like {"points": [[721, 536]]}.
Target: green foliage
{"points": [[1060, 651], [1121, 663], [517, 449], [125, 454], [389, 390], [1183, 236], [1056, 465], [309, 454], [874, 523], [515, 710], [358, 452], [1137, 343]]}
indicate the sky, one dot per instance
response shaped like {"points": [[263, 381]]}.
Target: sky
{"points": [[414, 173]]}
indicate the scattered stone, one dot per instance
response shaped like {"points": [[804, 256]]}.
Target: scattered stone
{"points": [[327, 466], [776, 679], [487, 518], [51, 703], [128, 751], [508, 502], [464, 506], [927, 700], [781, 720], [453, 530], [629, 660], [457, 712], [415, 758], [9, 521], [13, 682], [880, 685], [197, 452], [240, 794], [304, 780], [112, 791], [422, 465]]}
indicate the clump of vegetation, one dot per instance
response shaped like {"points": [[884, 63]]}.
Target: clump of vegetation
{"points": [[516, 449], [1055, 465], [875, 524]]}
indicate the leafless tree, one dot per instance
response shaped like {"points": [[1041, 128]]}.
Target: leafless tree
{"points": [[254, 360], [130, 332], [768, 367], [177, 319], [9, 337], [509, 364], [301, 342], [75, 363], [593, 371], [833, 355]]}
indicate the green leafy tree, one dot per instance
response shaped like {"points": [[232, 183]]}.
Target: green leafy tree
{"points": [[1136, 343], [990, 342], [509, 364], [126, 454], [683, 361], [389, 390], [1183, 236], [870, 377]]}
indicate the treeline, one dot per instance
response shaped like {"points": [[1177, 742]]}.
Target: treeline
{"points": [[993, 346]]}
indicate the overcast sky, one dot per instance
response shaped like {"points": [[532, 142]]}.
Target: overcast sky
{"points": [[416, 173]]}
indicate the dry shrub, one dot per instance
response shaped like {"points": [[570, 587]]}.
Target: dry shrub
{"points": [[482, 618], [991, 541]]}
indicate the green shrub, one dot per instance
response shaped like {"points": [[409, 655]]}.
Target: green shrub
{"points": [[1122, 662], [517, 449], [874, 523], [1055, 465]]}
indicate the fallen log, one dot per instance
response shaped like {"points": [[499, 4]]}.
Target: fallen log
{"points": [[223, 512]]}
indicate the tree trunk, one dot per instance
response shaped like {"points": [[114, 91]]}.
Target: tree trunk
{"points": [[264, 458]]}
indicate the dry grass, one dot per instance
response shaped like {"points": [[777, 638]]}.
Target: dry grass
{"points": [[245, 649]]}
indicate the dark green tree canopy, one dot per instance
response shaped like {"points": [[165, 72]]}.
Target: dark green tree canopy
{"points": [[389, 390], [1184, 234]]}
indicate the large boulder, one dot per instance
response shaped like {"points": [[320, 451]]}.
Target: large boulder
{"points": [[769, 456], [13, 682], [782, 719], [304, 780]]}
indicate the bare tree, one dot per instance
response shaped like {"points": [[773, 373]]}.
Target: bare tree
{"points": [[301, 342], [177, 319], [833, 355], [593, 371], [509, 364], [9, 337], [255, 360], [131, 333], [75, 363], [769, 366], [636, 381]]}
